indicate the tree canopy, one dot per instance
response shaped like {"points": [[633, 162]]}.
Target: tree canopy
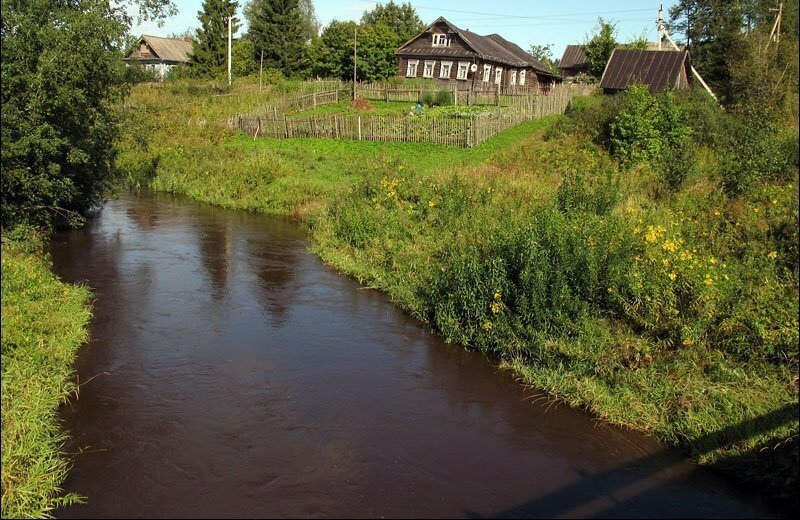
{"points": [[276, 28], [61, 73], [599, 46], [401, 19]]}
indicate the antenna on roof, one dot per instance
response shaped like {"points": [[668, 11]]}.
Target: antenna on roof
{"points": [[663, 30]]}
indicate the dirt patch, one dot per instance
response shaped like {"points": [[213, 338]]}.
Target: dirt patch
{"points": [[307, 209], [362, 104]]}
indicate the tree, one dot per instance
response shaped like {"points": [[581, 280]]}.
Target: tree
{"points": [[276, 28], [308, 20], [544, 53], [376, 46], [599, 46], [401, 19], [332, 53], [210, 49], [61, 73]]}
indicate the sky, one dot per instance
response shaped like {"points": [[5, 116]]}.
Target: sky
{"points": [[524, 22]]}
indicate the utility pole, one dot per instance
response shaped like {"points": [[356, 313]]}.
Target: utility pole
{"points": [[229, 50], [776, 28], [355, 62], [660, 24], [261, 69]]}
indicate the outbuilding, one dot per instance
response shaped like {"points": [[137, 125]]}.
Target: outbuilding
{"points": [[159, 54], [659, 70]]}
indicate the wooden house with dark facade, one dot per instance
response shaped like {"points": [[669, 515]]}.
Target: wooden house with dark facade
{"points": [[659, 70], [447, 54]]}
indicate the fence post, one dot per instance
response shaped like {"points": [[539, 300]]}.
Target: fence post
{"points": [[314, 99], [386, 92], [469, 135], [286, 126], [359, 128]]}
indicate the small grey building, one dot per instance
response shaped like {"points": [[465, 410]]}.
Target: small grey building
{"points": [[160, 54]]}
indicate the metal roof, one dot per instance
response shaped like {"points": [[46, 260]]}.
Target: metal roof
{"points": [[167, 49], [492, 48], [656, 69], [573, 56]]}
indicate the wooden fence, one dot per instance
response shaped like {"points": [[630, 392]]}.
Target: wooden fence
{"points": [[457, 131]]}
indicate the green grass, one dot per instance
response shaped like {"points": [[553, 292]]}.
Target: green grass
{"points": [[44, 323], [673, 314]]}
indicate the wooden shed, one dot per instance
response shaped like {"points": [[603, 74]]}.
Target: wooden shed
{"points": [[446, 54], [658, 70], [160, 54], [573, 61]]}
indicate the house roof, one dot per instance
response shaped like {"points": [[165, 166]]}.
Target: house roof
{"points": [[167, 49], [491, 48], [656, 69], [574, 56]]}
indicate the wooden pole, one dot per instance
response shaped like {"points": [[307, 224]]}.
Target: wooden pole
{"points": [[355, 63], [229, 50], [261, 69]]}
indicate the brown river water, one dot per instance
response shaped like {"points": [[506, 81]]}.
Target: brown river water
{"points": [[231, 374]]}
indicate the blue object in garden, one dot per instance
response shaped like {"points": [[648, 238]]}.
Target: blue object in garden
{"points": [[419, 106]]}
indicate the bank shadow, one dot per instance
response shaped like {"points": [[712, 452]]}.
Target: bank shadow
{"points": [[612, 494]]}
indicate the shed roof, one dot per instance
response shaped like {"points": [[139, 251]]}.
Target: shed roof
{"points": [[656, 69], [167, 49], [574, 56], [492, 48]]}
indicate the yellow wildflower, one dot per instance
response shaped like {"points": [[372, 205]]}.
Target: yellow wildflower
{"points": [[487, 325], [495, 308], [672, 276], [687, 342], [773, 255], [497, 295], [431, 203]]}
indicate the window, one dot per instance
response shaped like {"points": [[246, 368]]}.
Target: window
{"points": [[411, 71], [498, 75], [513, 77], [463, 69], [522, 77], [440, 40], [445, 71], [427, 72], [487, 73]]}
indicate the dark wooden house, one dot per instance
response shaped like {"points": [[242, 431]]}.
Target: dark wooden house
{"points": [[573, 61], [658, 70], [447, 54], [159, 54]]}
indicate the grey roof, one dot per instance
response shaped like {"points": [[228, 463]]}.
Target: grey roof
{"points": [[167, 49], [491, 48], [574, 56], [656, 69]]}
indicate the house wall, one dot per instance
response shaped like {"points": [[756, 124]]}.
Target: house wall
{"points": [[532, 80]]}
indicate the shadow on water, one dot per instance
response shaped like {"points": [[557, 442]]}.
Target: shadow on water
{"points": [[611, 495]]}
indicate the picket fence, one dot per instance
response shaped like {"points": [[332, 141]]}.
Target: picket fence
{"points": [[465, 131]]}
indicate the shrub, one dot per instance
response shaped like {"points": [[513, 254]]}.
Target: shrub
{"points": [[648, 126], [444, 98], [596, 193], [428, 99]]}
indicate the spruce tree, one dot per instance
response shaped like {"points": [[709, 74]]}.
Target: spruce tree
{"points": [[210, 49], [276, 28]]}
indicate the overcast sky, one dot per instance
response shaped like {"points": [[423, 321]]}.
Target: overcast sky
{"points": [[524, 22]]}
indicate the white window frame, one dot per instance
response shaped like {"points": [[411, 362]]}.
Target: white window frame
{"points": [[498, 75], [462, 66], [522, 77], [441, 40], [415, 63], [425, 69], [487, 73], [449, 66], [513, 79]]}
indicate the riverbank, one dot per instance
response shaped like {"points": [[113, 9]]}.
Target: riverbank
{"points": [[665, 306], [44, 323]]}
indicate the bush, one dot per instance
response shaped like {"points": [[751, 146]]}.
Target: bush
{"points": [[648, 126], [444, 98], [596, 193]]}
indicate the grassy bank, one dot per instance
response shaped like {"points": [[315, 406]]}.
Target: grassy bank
{"points": [[44, 323], [649, 276]]}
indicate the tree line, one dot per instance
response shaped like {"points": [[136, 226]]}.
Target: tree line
{"points": [[283, 35]]}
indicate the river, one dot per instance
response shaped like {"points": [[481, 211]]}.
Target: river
{"points": [[231, 374]]}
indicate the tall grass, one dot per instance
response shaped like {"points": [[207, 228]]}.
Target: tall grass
{"points": [[44, 323]]}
